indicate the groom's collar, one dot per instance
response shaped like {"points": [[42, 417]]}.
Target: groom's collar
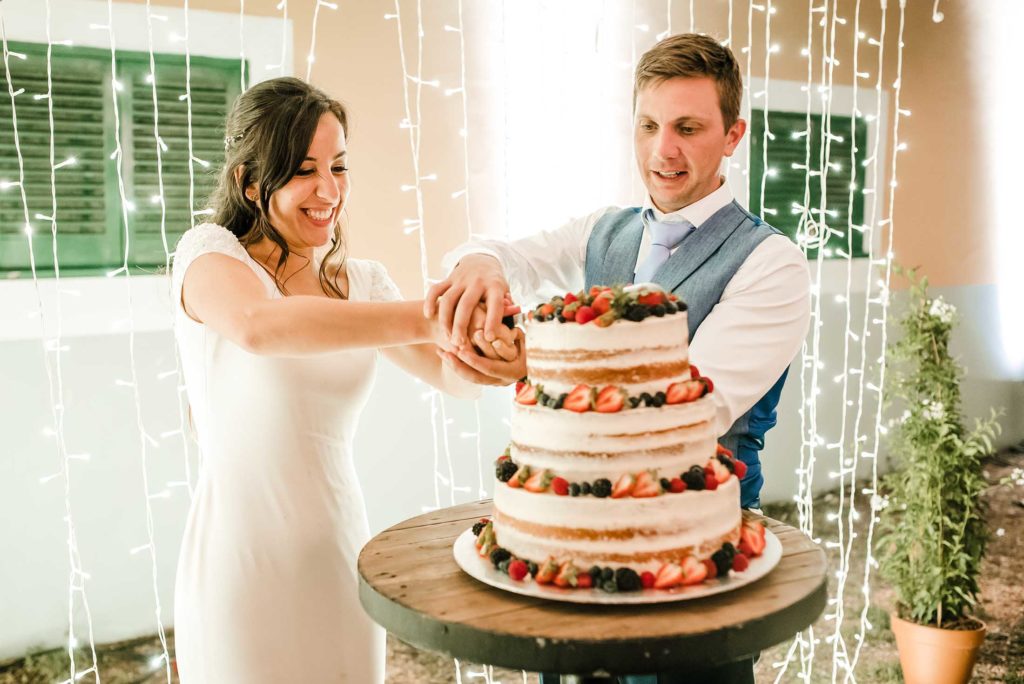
{"points": [[696, 213]]}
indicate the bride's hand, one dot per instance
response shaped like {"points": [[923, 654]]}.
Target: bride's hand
{"points": [[503, 348]]}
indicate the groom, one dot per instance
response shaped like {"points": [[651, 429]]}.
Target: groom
{"points": [[746, 284]]}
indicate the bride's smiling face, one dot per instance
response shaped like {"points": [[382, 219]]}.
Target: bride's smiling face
{"points": [[306, 209]]}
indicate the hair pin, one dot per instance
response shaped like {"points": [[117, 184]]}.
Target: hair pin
{"points": [[228, 139]]}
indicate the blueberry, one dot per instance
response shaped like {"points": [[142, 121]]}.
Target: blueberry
{"points": [[503, 565], [659, 399], [681, 306], [532, 567], [539, 317], [647, 399], [636, 313], [602, 488], [585, 488], [574, 489], [670, 308], [634, 402], [607, 574], [729, 549], [560, 401], [665, 484], [595, 573], [658, 310]]}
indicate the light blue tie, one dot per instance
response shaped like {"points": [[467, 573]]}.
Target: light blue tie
{"points": [[664, 238]]}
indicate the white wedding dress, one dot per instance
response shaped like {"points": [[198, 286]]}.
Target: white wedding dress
{"points": [[266, 588]]}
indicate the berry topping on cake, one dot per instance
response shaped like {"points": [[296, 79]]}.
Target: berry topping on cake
{"points": [[669, 575], [627, 580], [711, 568], [584, 581], [647, 579], [683, 392], [752, 541], [518, 570], [478, 527], [560, 486], [538, 482], [566, 576], [694, 478], [609, 400], [647, 485], [740, 467], [694, 373], [585, 314], [527, 396], [710, 480], [520, 477], [694, 571], [676, 485], [505, 470], [623, 486], [546, 573], [719, 469], [722, 451], [740, 562], [498, 555], [575, 489], [579, 399]]}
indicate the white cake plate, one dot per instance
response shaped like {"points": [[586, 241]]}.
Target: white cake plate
{"points": [[481, 569]]}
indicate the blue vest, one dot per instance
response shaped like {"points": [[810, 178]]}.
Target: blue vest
{"points": [[698, 272]]}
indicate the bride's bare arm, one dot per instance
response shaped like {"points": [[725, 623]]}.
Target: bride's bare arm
{"points": [[226, 295]]}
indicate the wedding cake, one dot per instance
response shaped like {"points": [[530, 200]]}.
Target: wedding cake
{"points": [[614, 477]]}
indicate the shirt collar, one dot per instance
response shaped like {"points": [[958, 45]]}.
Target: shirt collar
{"points": [[696, 213]]}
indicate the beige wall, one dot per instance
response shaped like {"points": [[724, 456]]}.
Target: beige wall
{"points": [[357, 60]]}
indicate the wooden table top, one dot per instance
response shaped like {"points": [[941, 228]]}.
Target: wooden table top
{"points": [[410, 584]]}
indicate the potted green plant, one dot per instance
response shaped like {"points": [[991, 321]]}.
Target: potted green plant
{"points": [[933, 529]]}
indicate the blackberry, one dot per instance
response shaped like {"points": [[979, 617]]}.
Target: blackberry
{"points": [[584, 488], [681, 306], [722, 562], [670, 308], [602, 488], [627, 579], [610, 586], [665, 484], [561, 318], [647, 398], [574, 489], [595, 573], [532, 567], [659, 399], [694, 478], [727, 462], [505, 470], [499, 554], [636, 313], [658, 310], [478, 528], [729, 549], [607, 574], [634, 402]]}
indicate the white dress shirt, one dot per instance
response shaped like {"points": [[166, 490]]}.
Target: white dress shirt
{"points": [[745, 342]]}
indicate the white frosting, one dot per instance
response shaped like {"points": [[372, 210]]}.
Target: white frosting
{"points": [[668, 331]]}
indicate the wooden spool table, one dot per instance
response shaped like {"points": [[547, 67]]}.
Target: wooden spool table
{"points": [[409, 583]]}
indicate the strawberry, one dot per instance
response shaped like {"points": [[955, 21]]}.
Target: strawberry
{"points": [[694, 571], [711, 568], [546, 573], [694, 373], [676, 485], [585, 314], [710, 479], [722, 451], [560, 486], [740, 468], [538, 482], [606, 319], [623, 487], [610, 400], [526, 395], [519, 386], [602, 304], [651, 299], [569, 312], [752, 541], [683, 392], [519, 477], [567, 575], [518, 569], [669, 575], [673, 298], [570, 298], [584, 581], [709, 386], [646, 486], [578, 399], [647, 579], [740, 562], [721, 472]]}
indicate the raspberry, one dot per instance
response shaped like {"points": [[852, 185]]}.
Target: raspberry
{"points": [[560, 486], [518, 569], [676, 485], [647, 579], [740, 562]]}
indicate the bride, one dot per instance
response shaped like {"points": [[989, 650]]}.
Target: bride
{"points": [[279, 334]]}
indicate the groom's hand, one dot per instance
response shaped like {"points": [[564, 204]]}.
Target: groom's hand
{"points": [[477, 278]]}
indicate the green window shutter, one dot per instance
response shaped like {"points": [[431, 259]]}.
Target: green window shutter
{"points": [[786, 187], [86, 236], [215, 86]]}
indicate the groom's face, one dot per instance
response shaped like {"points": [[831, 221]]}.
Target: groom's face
{"points": [[680, 140]]}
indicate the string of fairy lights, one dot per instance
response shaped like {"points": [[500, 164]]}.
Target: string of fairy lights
{"points": [[861, 389]]}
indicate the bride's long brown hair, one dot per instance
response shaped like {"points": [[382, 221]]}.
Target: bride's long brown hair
{"points": [[267, 134]]}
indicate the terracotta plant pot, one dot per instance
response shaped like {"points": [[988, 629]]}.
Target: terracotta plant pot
{"points": [[929, 655]]}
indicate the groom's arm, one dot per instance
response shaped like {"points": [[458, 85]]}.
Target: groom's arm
{"points": [[485, 270]]}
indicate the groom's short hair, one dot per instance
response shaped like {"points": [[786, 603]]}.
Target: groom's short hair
{"points": [[691, 55]]}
